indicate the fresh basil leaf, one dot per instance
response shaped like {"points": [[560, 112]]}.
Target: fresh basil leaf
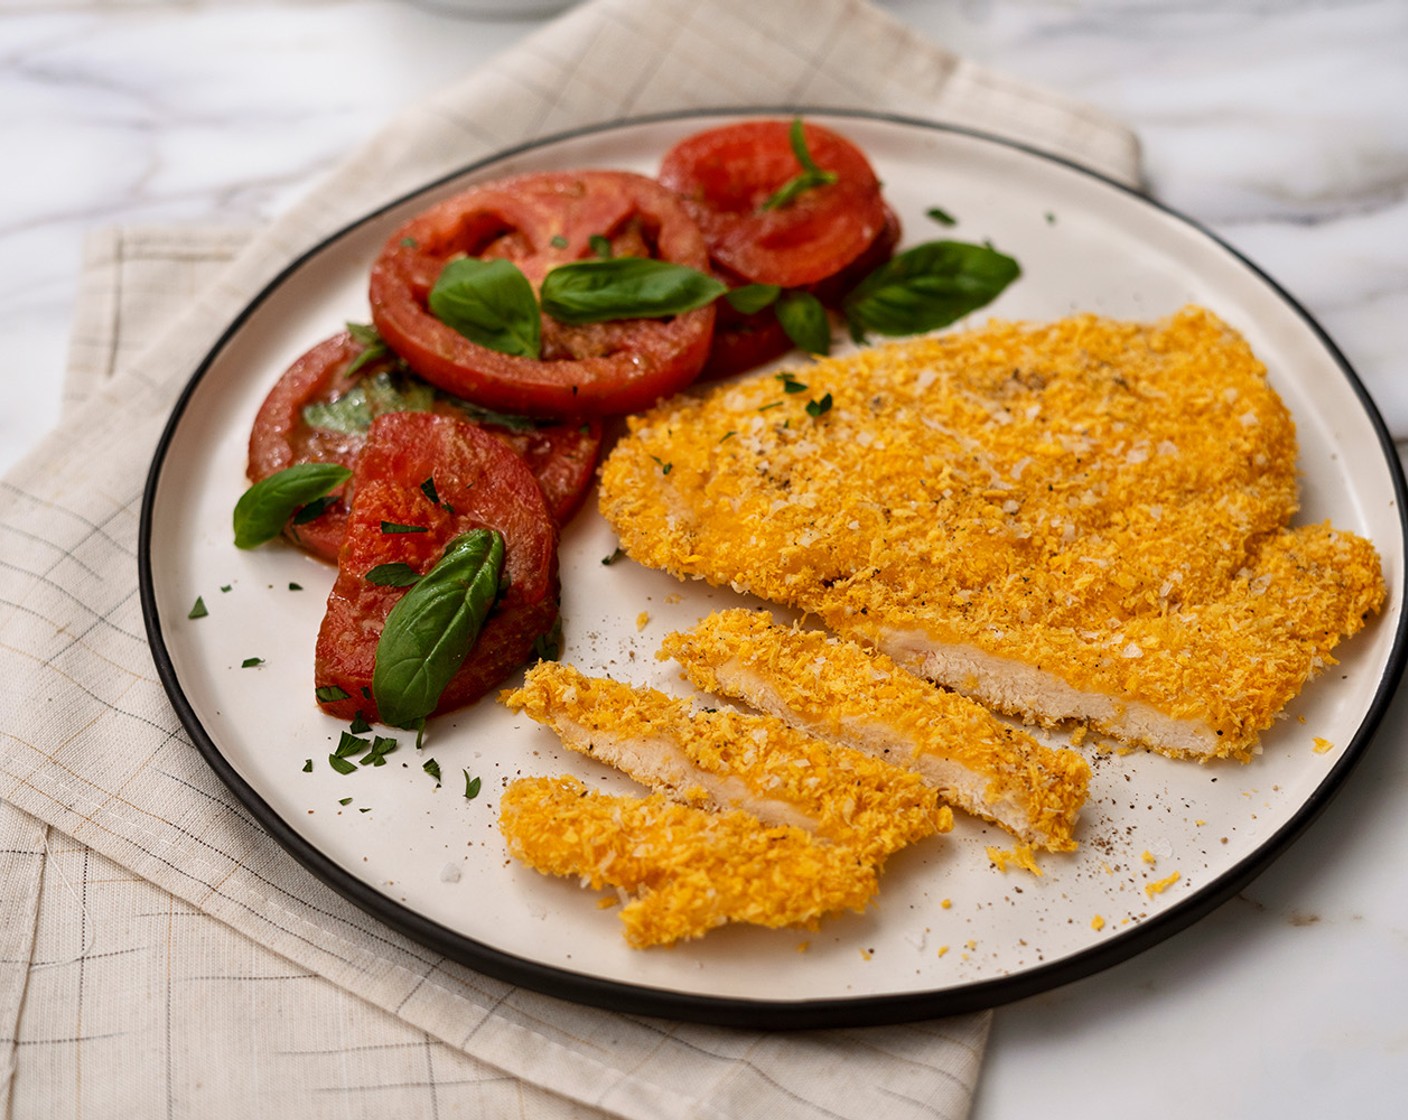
{"points": [[371, 397], [393, 575], [373, 346], [314, 509], [263, 509], [381, 747], [928, 287], [804, 319], [595, 291], [491, 303], [432, 628], [487, 416], [548, 647], [752, 298], [811, 177], [350, 746], [341, 765]]}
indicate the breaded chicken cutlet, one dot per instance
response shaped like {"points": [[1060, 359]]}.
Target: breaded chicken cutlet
{"points": [[685, 870], [723, 760], [1085, 520], [845, 693]]}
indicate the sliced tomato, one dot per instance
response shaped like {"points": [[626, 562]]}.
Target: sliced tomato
{"points": [[745, 341], [538, 222], [725, 175], [479, 483], [561, 455], [742, 340]]}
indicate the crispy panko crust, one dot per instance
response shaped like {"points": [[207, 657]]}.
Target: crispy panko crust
{"points": [[849, 694], [1083, 520], [725, 760], [687, 870]]}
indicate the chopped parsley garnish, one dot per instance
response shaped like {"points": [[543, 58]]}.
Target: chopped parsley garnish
{"points": [[393, 575], [818, 408]]}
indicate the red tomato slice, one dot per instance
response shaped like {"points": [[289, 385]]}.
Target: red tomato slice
{"points": [[481, 484], [724, 175], [561, 456], [742, 342], [538, 222]]}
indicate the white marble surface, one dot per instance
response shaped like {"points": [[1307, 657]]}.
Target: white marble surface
{"points": [[1281, 126]]}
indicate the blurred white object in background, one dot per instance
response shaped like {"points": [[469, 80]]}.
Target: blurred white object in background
{"points": [[500, 9]]}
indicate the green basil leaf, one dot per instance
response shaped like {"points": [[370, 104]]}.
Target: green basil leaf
{"points": [[471, 787], [928, 287], [491, 303], [804, 319], [330, 693], [341, 765], [431, 767], [752, 298], [371, 397], [811, 177], [595, 291], [373, 346], [263, 509], [393, 575], [816, 409], [506, 420], [432, 628]]}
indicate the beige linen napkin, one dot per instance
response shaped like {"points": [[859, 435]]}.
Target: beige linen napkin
{"points": [[160, 951]]}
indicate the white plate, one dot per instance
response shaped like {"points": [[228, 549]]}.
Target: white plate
{"points": [[949, 932]]}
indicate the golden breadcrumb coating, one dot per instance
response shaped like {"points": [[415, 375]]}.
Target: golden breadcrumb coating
{"points": [[726, 759], [1084, 519], [848, 694], [688, 870]]}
